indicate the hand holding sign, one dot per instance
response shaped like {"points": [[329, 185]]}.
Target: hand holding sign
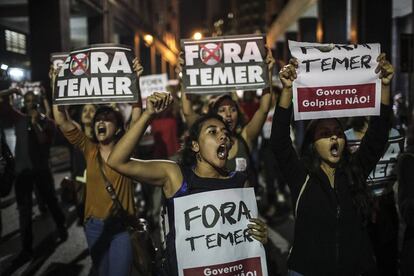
{"points": [[158, 102], [180, 64], [385, 69], [270, 61], [138, 69], [288, 73], [258, 230]]}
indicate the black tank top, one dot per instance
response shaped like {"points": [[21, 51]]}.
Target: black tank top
{"points": [[192, 184]]}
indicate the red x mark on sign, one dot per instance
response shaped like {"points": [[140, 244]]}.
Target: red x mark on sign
{"points": [[211, 53], [80, 63]]}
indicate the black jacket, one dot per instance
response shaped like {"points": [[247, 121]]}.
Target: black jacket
{"points": [[329, 236]]}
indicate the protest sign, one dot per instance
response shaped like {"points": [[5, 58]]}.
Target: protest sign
{"points": [[223, 64], [100, 73], [57, 59], [335, 80], [26, 86], [385, 170], [152, 83], [211, 234]]}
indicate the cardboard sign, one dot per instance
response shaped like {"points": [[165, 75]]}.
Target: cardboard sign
{"points": [[223, 64], [97, 74], [57, 59], [335, 80], [152, 83], [211, 234]]}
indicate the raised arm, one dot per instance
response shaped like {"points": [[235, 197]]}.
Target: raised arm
{"points": [[252, 130], [375, 140], [137, 107], [288, 160], [59, 112], [190, 115], [8, 112], [156, 172]]}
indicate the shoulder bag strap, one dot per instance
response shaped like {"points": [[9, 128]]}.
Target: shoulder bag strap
{"points": [[109, 187], [300, 194]]}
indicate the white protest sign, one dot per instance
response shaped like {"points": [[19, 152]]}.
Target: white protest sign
{"points": [[211, 234], [100, 73], [335, 80], [223, 64], [152, 83]]}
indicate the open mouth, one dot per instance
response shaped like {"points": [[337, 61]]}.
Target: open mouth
{"points": [[101, 130], [334, 149], [222, 152]]}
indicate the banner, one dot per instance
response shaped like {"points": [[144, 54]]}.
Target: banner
{"points": [[211, 234], [57, 59], [223, 64], [335, 80], [152, 83], [101, 73]]}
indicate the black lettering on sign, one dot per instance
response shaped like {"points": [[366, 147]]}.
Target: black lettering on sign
{"points": [[187, 217], [191, 239], [227, 210], [215, 218]]}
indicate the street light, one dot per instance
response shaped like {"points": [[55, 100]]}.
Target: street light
{"points": [[149, 39], [197, 36], [16, 74]]}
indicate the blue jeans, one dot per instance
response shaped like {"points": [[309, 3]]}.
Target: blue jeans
{"points": [[110, 246]]}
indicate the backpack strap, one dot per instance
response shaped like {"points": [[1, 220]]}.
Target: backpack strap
{"points": [[302, 189]]}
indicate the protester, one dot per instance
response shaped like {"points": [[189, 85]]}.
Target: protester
{"points": [[78, 164], [406, 203], [34, 136], [275, 183], [328, 185], [383, 223], [243, 135], [108, 241], [202, 167]]}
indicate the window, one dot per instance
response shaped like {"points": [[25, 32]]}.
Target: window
{"points": [[15, 42]]}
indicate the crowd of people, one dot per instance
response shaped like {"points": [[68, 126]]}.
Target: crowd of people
{"points": [[345, 223]]}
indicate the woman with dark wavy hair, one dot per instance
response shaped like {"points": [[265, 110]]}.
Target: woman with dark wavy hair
{"points": [[203, 166], [328, 185], [108, 240]]}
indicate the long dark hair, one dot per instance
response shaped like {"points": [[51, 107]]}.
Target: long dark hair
{"points": [[119, 122], [355, 176], [187, 155]]}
